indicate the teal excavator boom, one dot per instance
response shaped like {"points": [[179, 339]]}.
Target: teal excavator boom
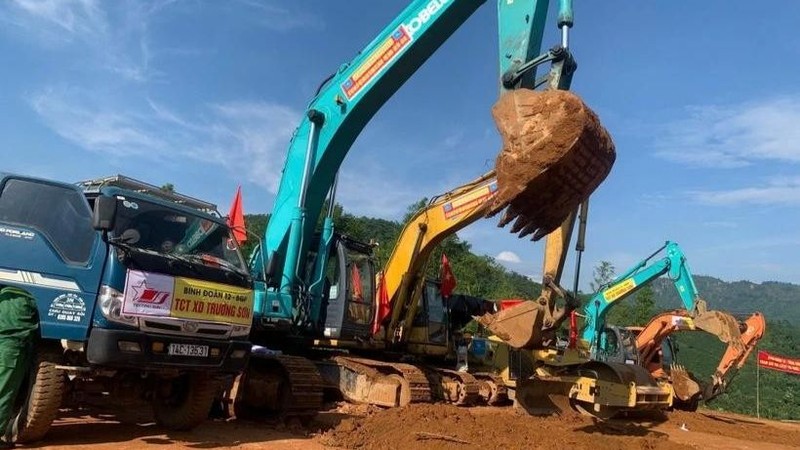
{"points": [[289, 264], [676, 267]]}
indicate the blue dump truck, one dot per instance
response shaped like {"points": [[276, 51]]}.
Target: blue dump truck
{"points": [[142, 295]]}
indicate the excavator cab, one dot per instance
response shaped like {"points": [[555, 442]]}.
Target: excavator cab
{"points": [[349, 290], [618, 345], [430, 326]]}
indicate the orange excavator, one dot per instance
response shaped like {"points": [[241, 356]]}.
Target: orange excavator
{"points": [[656, 351]]}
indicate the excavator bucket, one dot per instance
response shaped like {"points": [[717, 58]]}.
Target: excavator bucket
{"points": [[684, 386], [720, 324], [555, 153], [519, 326]]}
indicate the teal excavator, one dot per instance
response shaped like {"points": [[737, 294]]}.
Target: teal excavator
{"points": [[316, 288]]}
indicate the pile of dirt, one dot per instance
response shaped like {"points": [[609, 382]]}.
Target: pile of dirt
{"points": [[437, 426], [555, 154]]}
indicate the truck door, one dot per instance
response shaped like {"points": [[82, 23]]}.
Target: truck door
{"points": [[50, 249]]}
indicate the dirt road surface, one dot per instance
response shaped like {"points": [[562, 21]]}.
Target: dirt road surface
{"points": [[434, 427]]}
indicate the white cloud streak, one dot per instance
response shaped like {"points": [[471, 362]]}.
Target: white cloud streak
{"points": [[736, 135], [508, 256], [276, 16], [248, 139], [75, 17], [777, 191], [109, 36]]}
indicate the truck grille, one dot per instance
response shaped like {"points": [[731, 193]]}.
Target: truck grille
{"points": [[177, 327]]}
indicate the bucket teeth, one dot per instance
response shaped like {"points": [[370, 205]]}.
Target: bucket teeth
{"points": [[555, 154], [508, 216]]}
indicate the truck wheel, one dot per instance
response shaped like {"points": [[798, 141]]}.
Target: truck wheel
{"points": [[39, 409], [184, 402]]}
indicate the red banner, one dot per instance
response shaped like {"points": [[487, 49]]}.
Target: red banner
{"points": [[780, 363]]}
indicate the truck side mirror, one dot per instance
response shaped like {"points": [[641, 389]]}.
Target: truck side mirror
{"points": [[105, 210]]}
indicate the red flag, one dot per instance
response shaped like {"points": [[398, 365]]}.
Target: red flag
{"points": [[447, 278], [382, 310], [355, 279], [236, 218]]}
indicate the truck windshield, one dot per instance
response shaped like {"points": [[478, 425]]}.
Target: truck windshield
{"points": [[153, 227]]}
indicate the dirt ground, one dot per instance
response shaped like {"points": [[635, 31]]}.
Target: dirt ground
{"points": [[434, 427]]}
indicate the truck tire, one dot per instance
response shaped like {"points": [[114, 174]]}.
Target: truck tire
{"points": [[184, 402], [45, 390]]}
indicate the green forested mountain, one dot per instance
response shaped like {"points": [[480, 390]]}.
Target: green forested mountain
{"points": [[780, 392], [774, 299]]}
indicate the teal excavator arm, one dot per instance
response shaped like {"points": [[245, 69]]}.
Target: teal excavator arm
{"points": [[673, 264], [342, 107]]}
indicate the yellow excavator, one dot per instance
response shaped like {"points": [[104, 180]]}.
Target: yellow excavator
{"points": [[421, 328]]}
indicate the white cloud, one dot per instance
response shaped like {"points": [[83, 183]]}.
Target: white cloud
{"points": [[277, 17], [81, 17], [453, 139], [366, 188], [247, 138], [720, 224], [70, 114], [508, 256], [736, 135], [777, 191], [109, 36], [250, 138]]}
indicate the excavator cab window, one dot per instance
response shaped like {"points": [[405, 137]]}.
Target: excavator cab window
{"points": [[360, 292], [435, 312]]}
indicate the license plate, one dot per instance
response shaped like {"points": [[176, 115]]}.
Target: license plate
{"points": [[188, 350]]}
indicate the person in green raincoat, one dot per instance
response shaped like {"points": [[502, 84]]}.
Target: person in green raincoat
{"points": [[18, 329]]}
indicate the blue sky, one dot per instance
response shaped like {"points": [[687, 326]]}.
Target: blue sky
{"points": [[703, 104]]}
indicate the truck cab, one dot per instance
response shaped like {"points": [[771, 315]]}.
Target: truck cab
{"points": [[135, 286]]}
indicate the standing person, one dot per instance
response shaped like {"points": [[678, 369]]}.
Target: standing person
{"points": [[18, 326]]}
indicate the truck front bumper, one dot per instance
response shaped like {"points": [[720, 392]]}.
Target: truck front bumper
{"points": [[138, 350]]}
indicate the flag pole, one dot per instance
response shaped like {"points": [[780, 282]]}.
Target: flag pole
{"points": [[758, 385]]}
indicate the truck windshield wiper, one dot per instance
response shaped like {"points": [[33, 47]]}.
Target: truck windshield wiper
{"points": [[122, 243], [221, 262], [185, 262]]}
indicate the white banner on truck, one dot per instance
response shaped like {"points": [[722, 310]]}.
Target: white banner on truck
{"points": [[148, 294]]}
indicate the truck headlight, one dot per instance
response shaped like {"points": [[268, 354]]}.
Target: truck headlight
{"points": [[240, 330], [111, 307]]}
